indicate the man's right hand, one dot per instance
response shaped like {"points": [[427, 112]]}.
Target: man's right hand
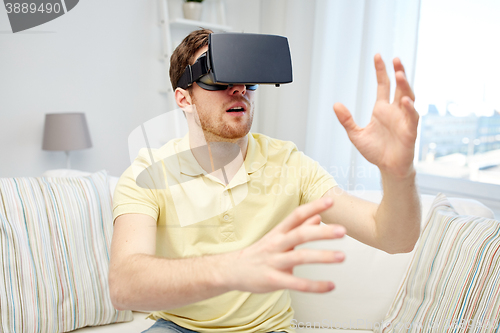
{"points": [[267, 265], [138, 279]]}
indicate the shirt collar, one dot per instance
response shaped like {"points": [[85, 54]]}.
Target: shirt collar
{"points": [[254, 160], [187, 162]]}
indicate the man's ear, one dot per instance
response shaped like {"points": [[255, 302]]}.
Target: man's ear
{"points": [[183, 99]]}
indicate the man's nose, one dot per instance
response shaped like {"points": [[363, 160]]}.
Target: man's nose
{"points": [[237, 89]]}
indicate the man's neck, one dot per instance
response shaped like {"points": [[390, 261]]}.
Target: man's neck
{"points": [[225, 156]]}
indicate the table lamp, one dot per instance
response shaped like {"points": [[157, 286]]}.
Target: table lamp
{"points": [[66, 132]]}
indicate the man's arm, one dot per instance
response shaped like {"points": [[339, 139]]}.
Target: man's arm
{"points": [[140, 281], [392, 226], [388, 141]]}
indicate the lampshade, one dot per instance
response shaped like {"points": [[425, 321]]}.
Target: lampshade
{"points": [[66, 131]]}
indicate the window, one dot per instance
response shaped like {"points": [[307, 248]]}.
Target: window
{"points": [[457, 85]]}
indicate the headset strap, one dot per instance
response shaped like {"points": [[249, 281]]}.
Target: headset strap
{"points": [[193, 72]]}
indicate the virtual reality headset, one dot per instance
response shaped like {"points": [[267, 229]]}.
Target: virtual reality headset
{"points": [[240, 59]]}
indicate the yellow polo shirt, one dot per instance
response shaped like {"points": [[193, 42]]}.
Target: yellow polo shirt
{"points": [[198, 215]]}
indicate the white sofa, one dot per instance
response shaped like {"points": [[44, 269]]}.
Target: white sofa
{"points": [[366, 282]]}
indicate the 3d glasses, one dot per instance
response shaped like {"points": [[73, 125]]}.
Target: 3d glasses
{"points": [[240, 59]]}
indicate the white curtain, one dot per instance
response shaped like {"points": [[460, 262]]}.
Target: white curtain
{"points": [[282, 112], [333, 43]]}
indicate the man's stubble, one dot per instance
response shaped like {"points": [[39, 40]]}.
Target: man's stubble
{"points": [[213, 124]]}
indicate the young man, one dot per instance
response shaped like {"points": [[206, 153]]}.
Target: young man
{"points": [[213, 251]]}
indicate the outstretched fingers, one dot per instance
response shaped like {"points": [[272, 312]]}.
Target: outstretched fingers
{"points": [[309, 233], [345, 118], [402, 85], [303, 213], [314, 220], [398, 65], [411, 113], [402, 88], [291, 259], [383, 81], [286, 281]]}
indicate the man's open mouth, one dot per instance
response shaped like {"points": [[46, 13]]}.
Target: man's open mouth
{"points": [[236, 109]]}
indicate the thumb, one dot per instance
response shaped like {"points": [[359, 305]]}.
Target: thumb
{"points": [[345, 118]]}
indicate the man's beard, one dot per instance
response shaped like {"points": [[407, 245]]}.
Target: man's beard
{"points": [[214, 125]]}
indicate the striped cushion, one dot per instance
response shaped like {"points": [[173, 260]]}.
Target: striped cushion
{"points": [[453, 282], [55, 235]]}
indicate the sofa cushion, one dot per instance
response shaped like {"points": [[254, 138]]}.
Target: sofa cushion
{"points": [[368, 279], [113, 181], [55, 235], [454, 278]]}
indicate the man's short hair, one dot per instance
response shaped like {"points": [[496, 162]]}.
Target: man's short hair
{"points": [[183, 54]]}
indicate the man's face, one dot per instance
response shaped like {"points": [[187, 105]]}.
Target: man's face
{"points": [[216, 109]]}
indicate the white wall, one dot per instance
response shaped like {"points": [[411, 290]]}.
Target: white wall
{"points": [[100, 58], [283, 111]]}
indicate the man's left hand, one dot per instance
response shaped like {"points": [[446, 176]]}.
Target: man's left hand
{"points": [[388, 141]]}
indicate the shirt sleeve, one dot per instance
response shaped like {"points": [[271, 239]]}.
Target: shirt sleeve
{"points": [[136, 191], [315, 181]]}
